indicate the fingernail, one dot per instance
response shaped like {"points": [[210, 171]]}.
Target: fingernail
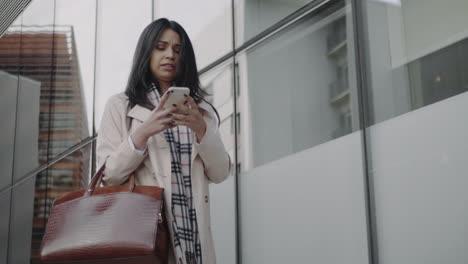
{"points": [[185, 102], [169, 114], [174, 105], [185, 95]]}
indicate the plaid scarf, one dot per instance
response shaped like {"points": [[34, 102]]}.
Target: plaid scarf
{"points": [[187, 246]]}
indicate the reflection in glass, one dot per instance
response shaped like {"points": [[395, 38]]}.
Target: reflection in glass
{"points": [[208, 24], [69, 174], [78, 21], [298, 89], [25, 68], [254, 16], [20, 234], [218, 82], [116, 43], [5, 203], [411, 66], [9, 65], [439, 75]]}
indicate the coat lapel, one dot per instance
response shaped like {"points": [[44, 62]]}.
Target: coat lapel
{"points": [[158, 148]]}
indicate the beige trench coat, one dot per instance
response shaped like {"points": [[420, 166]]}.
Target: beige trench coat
{"points": [[210, 161]]}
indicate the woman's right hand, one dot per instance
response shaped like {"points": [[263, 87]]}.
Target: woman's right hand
{"points": [[159, 120]]}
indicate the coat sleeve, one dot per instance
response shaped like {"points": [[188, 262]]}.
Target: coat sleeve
{"points": [[211, 149], [112, 145]]}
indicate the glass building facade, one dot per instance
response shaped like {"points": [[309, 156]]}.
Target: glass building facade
{"points": [[346, 120]]}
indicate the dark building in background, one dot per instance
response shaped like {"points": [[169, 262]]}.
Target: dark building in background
{"points": [[46, 56]]}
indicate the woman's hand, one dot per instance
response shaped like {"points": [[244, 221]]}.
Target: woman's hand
{"points": [[188, 114], [159, 120]]}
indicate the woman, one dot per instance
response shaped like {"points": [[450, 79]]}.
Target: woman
{"points": [[177, 148]]}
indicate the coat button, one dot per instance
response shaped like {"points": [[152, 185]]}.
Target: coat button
{"points": [[206, 198]]}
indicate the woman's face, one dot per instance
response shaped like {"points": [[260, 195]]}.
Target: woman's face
{"points": [[164, 60]]}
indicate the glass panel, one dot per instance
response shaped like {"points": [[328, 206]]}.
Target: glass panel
{"points": [[9, 67], [19, 247], [39, 212], [8, 93], [74, 77], [69, 174], [254, 16], [320, 192], [298, 89], [419, 162], [210, 33], [116, 42], [27, 127], [418, 54], [5, 199], [37, 49], [219, 83]]}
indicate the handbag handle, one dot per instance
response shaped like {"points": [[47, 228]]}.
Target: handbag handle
{"points": [[97, 179]]}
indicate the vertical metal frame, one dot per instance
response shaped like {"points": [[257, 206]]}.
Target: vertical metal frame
{"points": [[235, 71], [365, 108]]}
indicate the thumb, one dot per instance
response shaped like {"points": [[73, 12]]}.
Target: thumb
{"points": [[162, 101]]}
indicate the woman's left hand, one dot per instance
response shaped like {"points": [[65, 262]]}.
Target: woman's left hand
{"points": [[188, 114]]}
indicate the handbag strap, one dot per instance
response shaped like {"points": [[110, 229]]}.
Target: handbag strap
{"points": [[97, 179]]}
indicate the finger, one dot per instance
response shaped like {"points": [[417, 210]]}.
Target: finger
{"points": [[180, 117], [184, 109], [180, 123], [166, 121], [181, 109], [165, 113], [191, 102], [162, 101]]}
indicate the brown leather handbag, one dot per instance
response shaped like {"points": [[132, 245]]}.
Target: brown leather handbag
{"points": [[112, 224]]}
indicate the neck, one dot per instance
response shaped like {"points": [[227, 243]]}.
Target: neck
{"points": [[164, 86]]}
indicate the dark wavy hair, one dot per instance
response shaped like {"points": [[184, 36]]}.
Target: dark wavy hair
{"points": [[141, 76]]}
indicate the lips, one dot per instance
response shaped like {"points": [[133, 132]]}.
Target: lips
{"points": [[168, 66]]}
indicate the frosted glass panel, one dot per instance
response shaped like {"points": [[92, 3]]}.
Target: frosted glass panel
{"points": [[306, 208], [420, 161]]}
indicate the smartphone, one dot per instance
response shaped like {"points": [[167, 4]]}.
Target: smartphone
{"points": [[176, 95]]}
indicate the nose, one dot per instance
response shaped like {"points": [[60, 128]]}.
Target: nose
{"points": [[169, 54]]}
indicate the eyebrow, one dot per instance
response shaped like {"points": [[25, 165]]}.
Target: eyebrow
{"points": [[165, 42]]}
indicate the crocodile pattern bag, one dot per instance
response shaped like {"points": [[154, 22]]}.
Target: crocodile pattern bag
{"points": [[111, 224]]}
